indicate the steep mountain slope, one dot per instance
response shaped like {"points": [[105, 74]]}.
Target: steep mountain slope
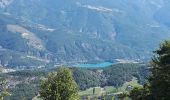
{"points": [[83, 30]]}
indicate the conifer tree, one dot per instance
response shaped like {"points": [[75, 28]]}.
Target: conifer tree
{"points": [[160, 68]]}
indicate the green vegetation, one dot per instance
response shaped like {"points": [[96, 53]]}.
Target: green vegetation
{"points": [[37, 98], [91, 91], [3, 85], [159, 82], [141, 93], [115, 75], [160, 77], [110, 89], [133, 83], [25, 84], [3, 91], [99, 91], [59, 86]]}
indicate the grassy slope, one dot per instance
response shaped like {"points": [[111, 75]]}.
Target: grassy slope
{"points": [[110, 89]]}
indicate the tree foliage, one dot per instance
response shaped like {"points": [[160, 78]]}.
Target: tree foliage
{"points": [[159, 88], [60, 85], [3, 92], [141, 93], [160, 79], [116, 75]]}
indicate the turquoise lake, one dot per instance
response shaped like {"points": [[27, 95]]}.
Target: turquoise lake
{"points": [[98, 65]]}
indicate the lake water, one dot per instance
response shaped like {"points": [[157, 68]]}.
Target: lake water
{"points": [[98, 65]]}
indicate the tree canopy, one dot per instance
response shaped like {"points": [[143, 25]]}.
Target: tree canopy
{"points": [[160, 68], [159, 81], [60, 85]]}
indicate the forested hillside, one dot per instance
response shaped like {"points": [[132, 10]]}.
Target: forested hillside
{"points": [[25, 84]]}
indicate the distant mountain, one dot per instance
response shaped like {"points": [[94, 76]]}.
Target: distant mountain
{"points": [[37, 33]]}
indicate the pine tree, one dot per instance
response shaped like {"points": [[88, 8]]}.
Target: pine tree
{"points": [[59, 86], [160, 68]]}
